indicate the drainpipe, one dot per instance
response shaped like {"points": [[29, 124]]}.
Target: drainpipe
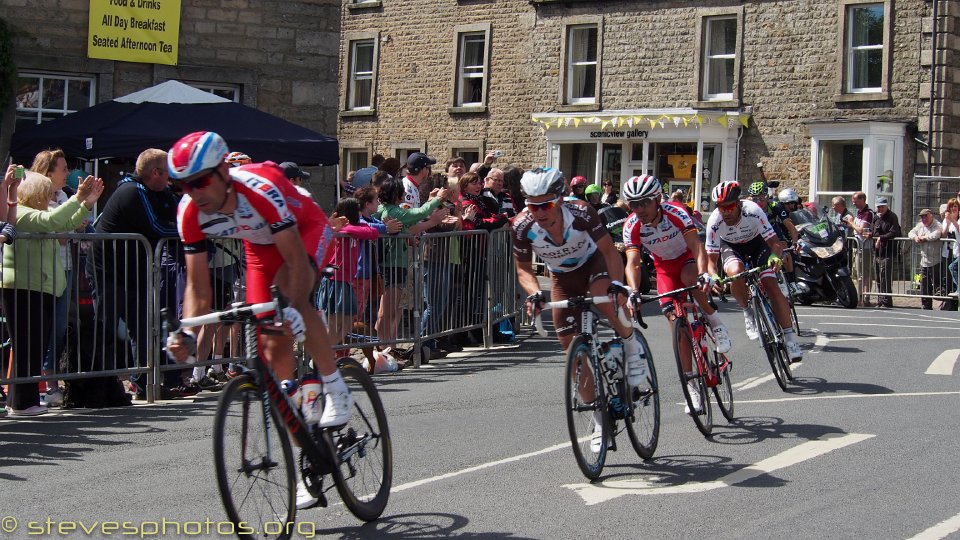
{"points": [[933, 86]]}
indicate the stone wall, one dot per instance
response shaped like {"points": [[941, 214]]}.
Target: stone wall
{"points": [[789, 73], [283, 55]]}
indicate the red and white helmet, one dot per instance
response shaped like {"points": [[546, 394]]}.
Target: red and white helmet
{"points": [[578, 181], [726, 192], [196, 152]]}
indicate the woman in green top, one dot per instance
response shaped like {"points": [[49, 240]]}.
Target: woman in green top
{"points": [[33, 277], [395, 258]]}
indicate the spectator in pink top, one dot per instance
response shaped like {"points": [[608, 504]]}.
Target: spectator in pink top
{"points": [[336, 295]]}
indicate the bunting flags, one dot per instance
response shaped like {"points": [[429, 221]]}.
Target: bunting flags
{"points": [[603, 122]]}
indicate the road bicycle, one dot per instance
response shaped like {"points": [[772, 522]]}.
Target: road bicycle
{"points": [[254, 421], [789, 293], [692, 334], [595, 388], [771, 334]]}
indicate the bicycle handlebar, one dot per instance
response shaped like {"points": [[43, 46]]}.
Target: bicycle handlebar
{"points": [[245, 311], [588, 300]]}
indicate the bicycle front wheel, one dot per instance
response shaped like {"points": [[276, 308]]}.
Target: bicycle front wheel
{"points": [[643, 420], [723, 391], [773, 346], [702, 417], [364, 450], [586, 407], [256, 473]]}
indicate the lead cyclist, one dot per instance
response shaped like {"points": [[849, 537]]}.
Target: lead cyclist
{"points": [[568, 236]]}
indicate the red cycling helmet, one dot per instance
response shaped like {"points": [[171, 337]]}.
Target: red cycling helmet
{"points": [[198, 151], [578, 181]]}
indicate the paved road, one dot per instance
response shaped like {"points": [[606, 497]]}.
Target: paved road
{"points": [[865, 445]]}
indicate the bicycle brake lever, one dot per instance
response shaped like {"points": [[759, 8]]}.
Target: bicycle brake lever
{"points": [[538, 324], [169, 321]]}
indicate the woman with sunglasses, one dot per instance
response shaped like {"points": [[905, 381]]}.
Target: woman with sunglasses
{"points": [[570, 239], [668, 232]]}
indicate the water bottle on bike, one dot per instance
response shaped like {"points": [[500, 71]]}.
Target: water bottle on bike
{"points": [[613, 359]]}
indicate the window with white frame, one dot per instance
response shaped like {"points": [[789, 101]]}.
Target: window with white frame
{"points": [[469, 155], [864, 48], [361, 67], [471, 69], [43, 97], [582, 63], [226, 91], [719, 57], [355, 159]]}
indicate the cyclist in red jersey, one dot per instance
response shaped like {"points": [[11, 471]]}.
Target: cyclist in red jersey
{"points": [[285, 235]]}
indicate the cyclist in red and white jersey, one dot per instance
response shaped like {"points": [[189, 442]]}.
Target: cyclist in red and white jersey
{"points": [[738, 233], [669, 234], [285, 235]]}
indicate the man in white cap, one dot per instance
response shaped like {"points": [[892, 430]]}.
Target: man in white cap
{"points": [[927, 235], [886, 227]]}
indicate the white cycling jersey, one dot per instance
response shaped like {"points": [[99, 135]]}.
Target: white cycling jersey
{"points": [[753, 222]]}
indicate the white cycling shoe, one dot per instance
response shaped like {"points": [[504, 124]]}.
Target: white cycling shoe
{"points": [[751, 327], [694, 390], [722, 337], [794, 351], [304, 498], [337, 406]]}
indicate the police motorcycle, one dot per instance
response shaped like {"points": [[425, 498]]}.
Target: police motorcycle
{"points": [[821, 261]]}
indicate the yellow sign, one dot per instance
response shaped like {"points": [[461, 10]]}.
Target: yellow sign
{"points": [[134, 30]]}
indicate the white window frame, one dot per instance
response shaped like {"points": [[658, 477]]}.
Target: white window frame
{"points": [[219, 89], [709, 55], [23, 112], [465, 72], [852, 50], [358, 76], [872, 134], [571, 62]]}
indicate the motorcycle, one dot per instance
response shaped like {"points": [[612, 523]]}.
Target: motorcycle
{"points": [[820, 261]]}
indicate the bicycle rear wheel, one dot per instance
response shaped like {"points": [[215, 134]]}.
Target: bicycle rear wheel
{"points": [[767, 328], [704, 417], [256, 473], [364, 450], [643, 420], [586, 403], [723, 391]]}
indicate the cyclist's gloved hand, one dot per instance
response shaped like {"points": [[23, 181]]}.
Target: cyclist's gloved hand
{"points": [[535, 303], [774, 262], [708, 280], [297, 326], [182, 346]]}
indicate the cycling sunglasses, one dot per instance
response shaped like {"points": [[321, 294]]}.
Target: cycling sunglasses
{"points": [[543, 206], [646, 201], [198, 183], [727, 207]]}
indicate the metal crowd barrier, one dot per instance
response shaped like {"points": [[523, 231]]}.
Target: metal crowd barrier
{"points": [[99, 326], [902, 275]]}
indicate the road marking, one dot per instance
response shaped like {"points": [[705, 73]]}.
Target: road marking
{"points": [[866, 338], [755, 382], [418, 483], [741, 384], [892, 326], [821, 342], [846, 396], [605, 491], [943, 364], [940, 530]]}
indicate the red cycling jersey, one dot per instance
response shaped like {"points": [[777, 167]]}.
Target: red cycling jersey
{"points": [[267, 203]]}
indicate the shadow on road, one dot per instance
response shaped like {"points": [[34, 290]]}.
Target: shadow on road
{"points": [[808, 386], [425, 525]]}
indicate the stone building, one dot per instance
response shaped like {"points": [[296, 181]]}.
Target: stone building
{"points": [[831, 96], [277, 56]]}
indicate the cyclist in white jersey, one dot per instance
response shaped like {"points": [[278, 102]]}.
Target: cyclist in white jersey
{"points": [[738, 233], [570, 239]]}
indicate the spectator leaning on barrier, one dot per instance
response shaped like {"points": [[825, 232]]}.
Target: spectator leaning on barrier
{"points": [[33, 277], [840, 213], [474, 247], [951, 250], [886, 227], [927, 234], [393, 197], [53, 165], [861, 225], [368, 265], [142, 204], [494, 186], [442, 255]]}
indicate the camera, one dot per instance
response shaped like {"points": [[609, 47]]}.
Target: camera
{"points": [[498, 153], [19, 173], [447, 204]]}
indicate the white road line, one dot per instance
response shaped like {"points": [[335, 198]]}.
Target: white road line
{"points": [[755, 382], [598, 493], [846, 396], [418, 483], [940, 530], [866, 338], [943, 364], [741, 384], [892, 326], [821, 342]]}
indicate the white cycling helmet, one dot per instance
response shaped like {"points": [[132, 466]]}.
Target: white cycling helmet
{"points": [[196, 152], [642, 187], [542, 181], [788, 195]]}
